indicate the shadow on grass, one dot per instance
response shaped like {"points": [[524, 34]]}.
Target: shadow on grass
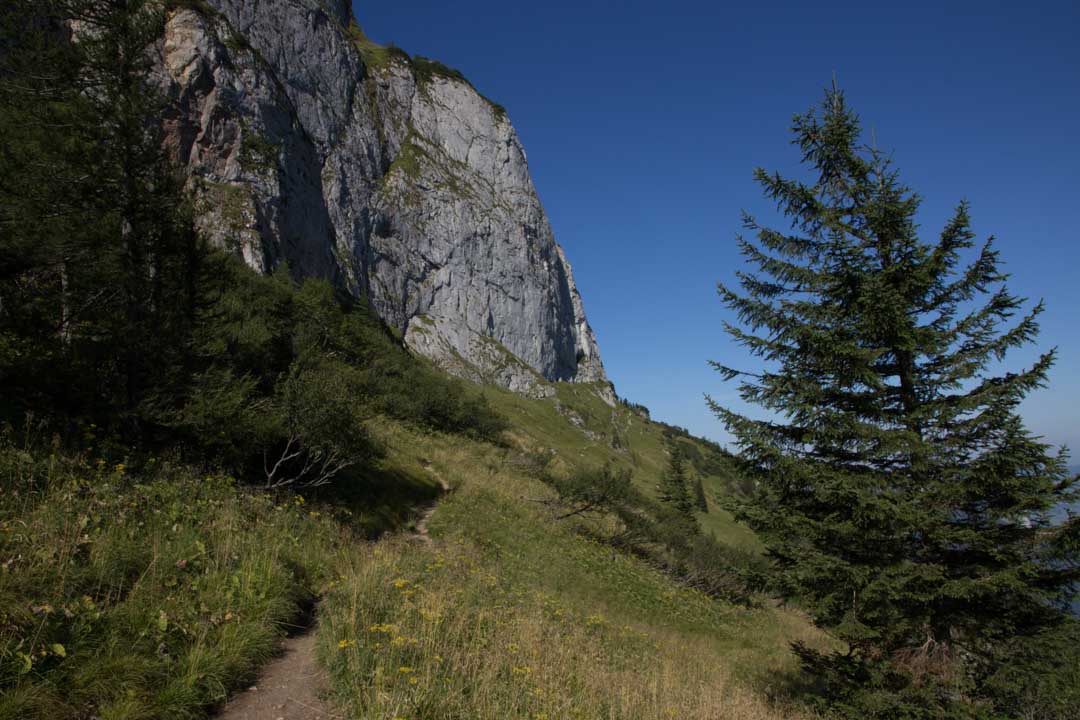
{"points": [[790, 687], [383, 497]]}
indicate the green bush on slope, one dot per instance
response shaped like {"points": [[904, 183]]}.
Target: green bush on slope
{"points": [[668, 536], [297, 370]]}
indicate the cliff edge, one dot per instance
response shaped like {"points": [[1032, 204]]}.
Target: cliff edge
{"points": [[391, 175]]}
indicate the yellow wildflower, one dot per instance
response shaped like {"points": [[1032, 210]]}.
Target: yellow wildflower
{"points": [[387, 628]]}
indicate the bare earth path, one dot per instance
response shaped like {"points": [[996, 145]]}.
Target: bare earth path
{"points": [[421, 531], [290, 686]]}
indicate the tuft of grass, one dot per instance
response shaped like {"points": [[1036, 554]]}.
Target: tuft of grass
{"points": [[376, 57], [144, 596], [427, 70]]}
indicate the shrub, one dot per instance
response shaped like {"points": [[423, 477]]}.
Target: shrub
{"points": [[288, 376], [669, 536]]}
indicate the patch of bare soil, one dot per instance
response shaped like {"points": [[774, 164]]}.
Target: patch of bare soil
{"points": [[420, 531], [288, 688]]}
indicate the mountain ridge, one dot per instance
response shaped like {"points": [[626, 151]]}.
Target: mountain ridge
{"points": [[306, 143]]}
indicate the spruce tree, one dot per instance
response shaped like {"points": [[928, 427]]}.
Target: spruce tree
{"points": [[700, 502], [46, 216], [673, 488], [98, 252], [899, 495]]}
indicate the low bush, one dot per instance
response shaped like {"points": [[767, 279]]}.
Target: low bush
{"points": [[669, 537]]}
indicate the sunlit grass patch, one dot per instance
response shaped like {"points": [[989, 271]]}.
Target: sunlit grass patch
{"points": [[511, 614], [426, 633], [146, 596]]}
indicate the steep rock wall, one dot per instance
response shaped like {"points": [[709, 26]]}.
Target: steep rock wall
{"points": [[392, 177]]}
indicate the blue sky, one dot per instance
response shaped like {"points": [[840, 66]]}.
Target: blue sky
{"points": [[643, 122]]}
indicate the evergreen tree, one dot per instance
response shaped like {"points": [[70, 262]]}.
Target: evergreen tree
{"points": [[46, 150], [700, 502], [98, 251], [673, 484], [898, 493]]}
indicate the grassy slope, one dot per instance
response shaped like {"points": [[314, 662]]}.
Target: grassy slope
{"points": [[144, 596], [511, 613], [151, 594], [154, 592], [638, 444]]}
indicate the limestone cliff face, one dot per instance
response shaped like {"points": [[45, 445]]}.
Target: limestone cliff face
{"points": [[392, 176]]}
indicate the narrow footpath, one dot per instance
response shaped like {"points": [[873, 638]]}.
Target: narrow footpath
{"points": [[288, 688], [292, 685]]}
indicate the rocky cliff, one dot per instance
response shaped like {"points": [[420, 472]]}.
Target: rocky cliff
{"points": [[391, 175]]}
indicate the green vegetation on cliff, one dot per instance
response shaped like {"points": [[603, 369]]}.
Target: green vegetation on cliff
{"points": [[377, 57]]}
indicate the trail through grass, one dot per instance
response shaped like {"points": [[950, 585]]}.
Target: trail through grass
{"points": [[145, 597], [155, 594], [509, 613]]}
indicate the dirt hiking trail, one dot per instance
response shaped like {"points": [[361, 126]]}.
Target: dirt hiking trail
{"points": [[290, 687]]}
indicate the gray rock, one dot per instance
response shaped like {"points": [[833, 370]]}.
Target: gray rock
{"points": [[401, 183]]}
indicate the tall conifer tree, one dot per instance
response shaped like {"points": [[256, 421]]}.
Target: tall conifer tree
{"points": [[673, 488], [98, 251], [700, 502], [899, 494]]}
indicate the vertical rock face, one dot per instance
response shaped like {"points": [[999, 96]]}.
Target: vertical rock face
{"points": [[392, 177]]}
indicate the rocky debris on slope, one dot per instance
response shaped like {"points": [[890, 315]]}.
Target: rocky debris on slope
{"points": [[392, 177]]}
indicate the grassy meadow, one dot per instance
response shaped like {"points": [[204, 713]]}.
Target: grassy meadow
{"points": [[512, 613], [153, 592]]}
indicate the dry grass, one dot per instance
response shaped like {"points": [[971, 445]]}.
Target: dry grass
{"points": [[419, 632], [508, 614]]}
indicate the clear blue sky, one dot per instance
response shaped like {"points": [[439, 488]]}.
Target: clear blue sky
{"points": [[643, 122]]}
